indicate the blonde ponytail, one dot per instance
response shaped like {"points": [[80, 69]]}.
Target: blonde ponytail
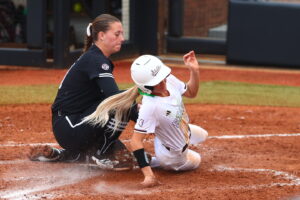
{"points": [[118, 104]]}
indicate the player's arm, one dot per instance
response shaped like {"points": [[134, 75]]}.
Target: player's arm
{"points": [[193, 84], [107, 86], [99, 71], [137, 147]]}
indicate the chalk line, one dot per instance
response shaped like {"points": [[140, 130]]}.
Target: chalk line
{"points": [[254, 136], [45, 179], [292, 180], [13, 144]]}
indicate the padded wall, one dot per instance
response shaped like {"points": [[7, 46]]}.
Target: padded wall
{"points": [[263, 33]]}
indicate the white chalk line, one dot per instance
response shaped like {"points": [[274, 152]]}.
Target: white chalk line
{"points": [[102, 187], [254, 136], [44, 180], [13, 144], [12, 162], [292, 180]]}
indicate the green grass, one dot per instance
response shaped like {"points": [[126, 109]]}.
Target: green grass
{"points": [[221, 92], [214, 92], [32, 94], [27, 94]]}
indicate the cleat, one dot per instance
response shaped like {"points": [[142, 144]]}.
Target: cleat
{"points": [[107, 164], [44, 154], [51, 154], [69, 156]]}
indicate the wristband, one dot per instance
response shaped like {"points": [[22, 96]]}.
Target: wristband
{"points": [[141, 158]]}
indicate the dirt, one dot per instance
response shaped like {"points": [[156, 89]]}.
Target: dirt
{"points": [[252, 151]]}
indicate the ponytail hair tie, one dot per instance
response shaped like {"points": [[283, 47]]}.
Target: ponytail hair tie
{"points": [[88, 29]]}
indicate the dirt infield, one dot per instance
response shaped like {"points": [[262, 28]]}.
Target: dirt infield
{"points": [[252, 152]]}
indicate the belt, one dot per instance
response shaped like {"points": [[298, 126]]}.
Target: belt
{"points": [[183, 149]]}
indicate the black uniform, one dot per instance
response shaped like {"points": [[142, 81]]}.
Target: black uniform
{"points": [[87, 83]]}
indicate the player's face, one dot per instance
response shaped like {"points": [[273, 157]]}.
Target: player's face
{"points": [[113, 38], [161, 89]]}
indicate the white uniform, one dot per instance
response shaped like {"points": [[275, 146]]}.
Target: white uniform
{"points": [[167, 119]]}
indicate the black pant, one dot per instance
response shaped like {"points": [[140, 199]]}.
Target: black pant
{"points": [[74, 135]]}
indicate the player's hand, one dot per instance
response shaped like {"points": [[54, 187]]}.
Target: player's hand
{"points": [[190, 60], [150, 181]]}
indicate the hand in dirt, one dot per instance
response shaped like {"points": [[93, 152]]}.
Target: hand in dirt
{"points": [[150, 181]]}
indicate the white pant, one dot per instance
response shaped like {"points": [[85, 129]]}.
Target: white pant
{"points": [[178, 160]]}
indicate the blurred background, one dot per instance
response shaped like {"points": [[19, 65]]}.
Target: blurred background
{"points": [[50, 33]]}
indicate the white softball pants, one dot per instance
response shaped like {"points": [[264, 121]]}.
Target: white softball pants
{"points": [[178, 160]]}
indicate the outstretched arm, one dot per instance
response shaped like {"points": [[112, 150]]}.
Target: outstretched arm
{"points": [[138, 150], [193, 84]]}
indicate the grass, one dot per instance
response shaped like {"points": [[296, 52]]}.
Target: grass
{"points": [[27, 94], [214, 92], [221, 92]]}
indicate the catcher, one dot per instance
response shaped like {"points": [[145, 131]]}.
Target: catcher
{"points": [[87, 83], [162, 113]]}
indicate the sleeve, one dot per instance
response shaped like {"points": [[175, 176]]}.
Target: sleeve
{"points": [[107, 86], [146, 122], [100, 70], [181, 86]]}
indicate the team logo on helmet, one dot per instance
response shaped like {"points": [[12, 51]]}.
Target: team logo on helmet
{"points": [[105, 66], [156, 70]]}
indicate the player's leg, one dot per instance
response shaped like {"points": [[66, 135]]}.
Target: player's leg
{"points": [[76, 138], [69, 134], [166, 158], [116, 157], [174, 160], [179, 161], [112, 153], [192, 158], [198, 134], [192, 161], [81, 141]]}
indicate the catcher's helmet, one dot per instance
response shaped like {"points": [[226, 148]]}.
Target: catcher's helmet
{"points": [[148, 70]]}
